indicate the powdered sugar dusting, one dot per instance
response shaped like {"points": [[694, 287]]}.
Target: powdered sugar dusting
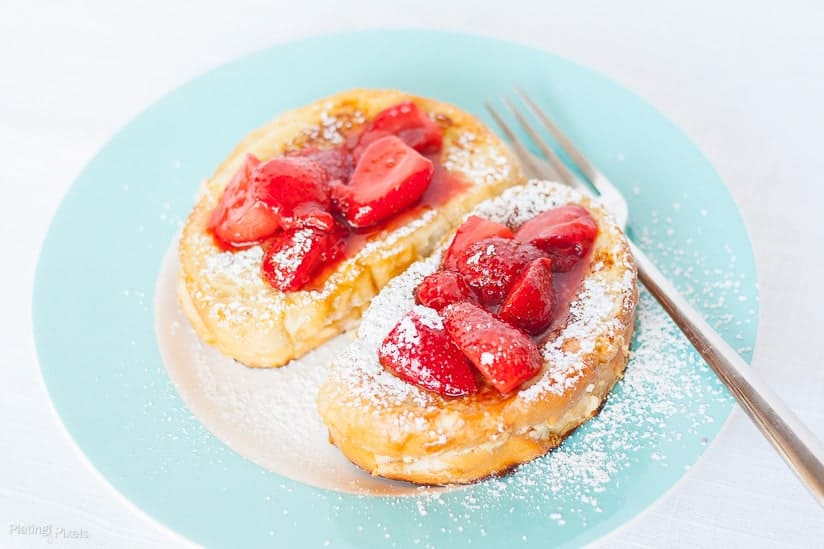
{"points": [[478, 159], [408, 333], [224, 268], [593, 312], [289, 258], [516, 206], [429, 317], [331, 128]]}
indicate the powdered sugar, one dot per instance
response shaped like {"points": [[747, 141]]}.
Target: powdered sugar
{"points": [[478, 159], [593, 312], [331, 127], [234, 265], [408, 333], [290, 256], [429, 317]]}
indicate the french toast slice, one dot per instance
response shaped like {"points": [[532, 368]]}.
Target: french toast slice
{"points": [[222, 292], [397, 430]]}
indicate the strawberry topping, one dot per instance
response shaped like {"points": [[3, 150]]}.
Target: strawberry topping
{"points": [[240, 218], [494, 268], [336, 161], [389, 177], [285, 192], [530, 303], [419, 351], [408, 122], [505, 356], [491, 265], [295, 255], [475, 228], [296, 189], [443, 288], [377, 173], [565, 234]]}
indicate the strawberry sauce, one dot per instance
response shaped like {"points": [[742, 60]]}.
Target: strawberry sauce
{"points": [[566, 287]]}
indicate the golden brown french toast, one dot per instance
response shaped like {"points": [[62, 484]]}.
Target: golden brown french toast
{"points": [[230, 304], [397, 429]]}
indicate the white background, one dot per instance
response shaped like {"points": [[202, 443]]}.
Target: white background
{"points": [[745, 80]]}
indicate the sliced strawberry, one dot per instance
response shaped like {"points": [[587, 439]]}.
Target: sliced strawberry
{"points": [[491, 265], [565, 234], [389, 177], [419, 351], [408, 122], [240, 217], [530, 303], [505, 356], [296, 255], [365, 139], [442, 288], [297, 191], [336, 161], [475, 228]]}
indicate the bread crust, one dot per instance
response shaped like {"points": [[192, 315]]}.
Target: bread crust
{"points": [[396, 430], [222, 293]]}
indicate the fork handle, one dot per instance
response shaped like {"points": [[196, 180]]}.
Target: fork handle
{"points": [[796, 444]]}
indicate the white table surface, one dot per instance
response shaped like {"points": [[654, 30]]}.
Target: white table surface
{"points": [[745, 80]]}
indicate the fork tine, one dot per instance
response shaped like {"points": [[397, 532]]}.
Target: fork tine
{"points": [[534, 169], [577, 157], [608, 192], [563, 172]]}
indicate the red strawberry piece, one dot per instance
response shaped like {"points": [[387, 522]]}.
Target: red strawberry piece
{"points": [[240, 218], [419, 351], [296, 255], [565, 234], [408, 122], [442, 288], [365, 139], [389, 177], [505, 356], [475, 228], [336, 161], [297, 191], [530, 303], [491, 265]]}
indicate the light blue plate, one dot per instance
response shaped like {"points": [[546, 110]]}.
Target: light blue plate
{"points": [[93, 308]]}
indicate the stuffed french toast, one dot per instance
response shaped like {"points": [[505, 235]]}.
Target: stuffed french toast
{"points": [[312, 214], [491, 351]]}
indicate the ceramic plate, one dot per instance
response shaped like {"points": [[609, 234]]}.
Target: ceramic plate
{"points": [[110, 345]]}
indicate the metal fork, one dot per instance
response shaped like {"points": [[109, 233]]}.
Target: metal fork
{"points": [[793, 441]]}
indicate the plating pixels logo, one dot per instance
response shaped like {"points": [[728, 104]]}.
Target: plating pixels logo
{"points": [[49, 532]]}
